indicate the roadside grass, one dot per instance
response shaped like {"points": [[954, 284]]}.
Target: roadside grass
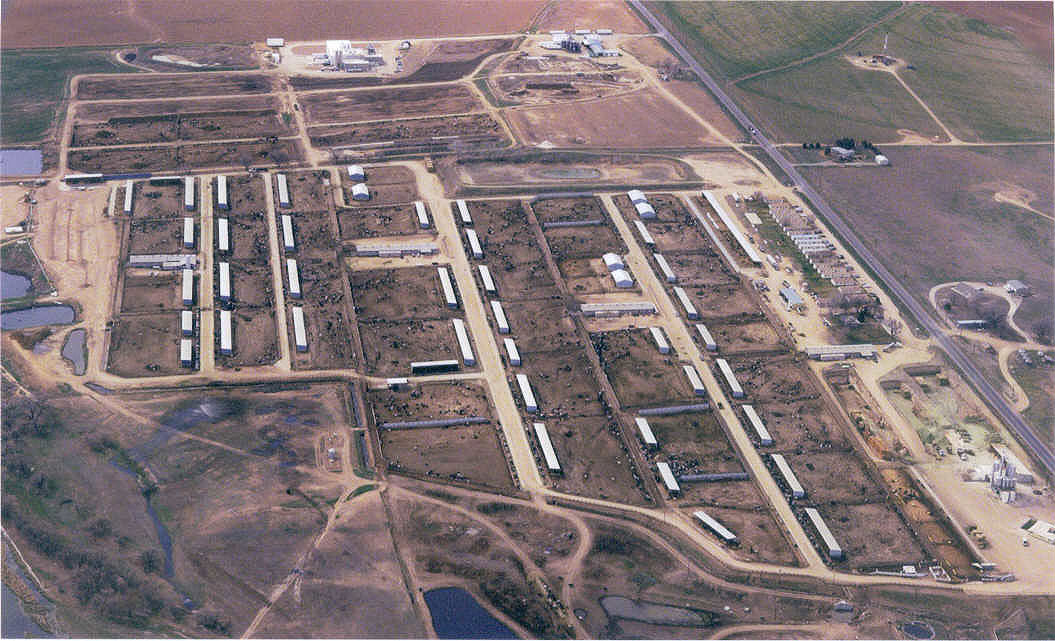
{"points": [[738, 38], [36, 82], [979, 80], [829, 98], [1039, 385]]}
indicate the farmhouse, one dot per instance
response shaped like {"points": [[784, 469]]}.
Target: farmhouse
{"points": [[964, 293], [842, 154]]}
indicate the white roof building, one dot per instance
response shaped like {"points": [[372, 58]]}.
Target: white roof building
{"points": [[705, 336], [463, 342], [835, 551], [226, 333], [283, 191], [613, 261], [423, 214], [223, 235], [188, 193], [293, 275], [225, 281], [356, 172], [694, 380], [448, 287], [797, 492], [636, 196], [530, 404], [500, 317], [646, 237], [645, 430], [664, 267], [547, 447], [669, 481], [288, 242], [489, 282], [474, 244], [221, 192], [661, 341], [764, 439], [623, 279], [275, 42], [360, 192], [686, 303], [645, 211], [129, 189], [300, 334], [512, 352], [730, 377], [716, 527]]}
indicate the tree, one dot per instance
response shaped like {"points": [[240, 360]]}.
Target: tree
{"points": [[151, 561], [100, 529]]}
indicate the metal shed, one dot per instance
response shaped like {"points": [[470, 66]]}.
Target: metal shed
{"points": [[716, 527], [221, 193], [661, 340], [668, 478], [500, 317], [764, 439], [288, 242], [225, 281], [645, 211], [223, 235], [226, 334], [646, 237], [283, 191], [530, 405], [730, 378], [463, 342], [188, 233], [129, 189], [186, 322], [188, 193], [613, 261], [474, 244], [547, 447], [835, 551], [448, 287], [423, 214], [356, 172], [489, 282], [797, 492], [300, 334], [686, 303], [188, 287], [694, 380], [512, 352], [463, 211], [360, 192], [623, 279], [186, 352], [646, 432], [293, 275], [705, 336], [664, 267]]}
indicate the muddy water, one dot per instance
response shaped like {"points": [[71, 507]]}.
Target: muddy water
{"points": [[37, 317], [73, 351], [623, 608], [13, 285]]}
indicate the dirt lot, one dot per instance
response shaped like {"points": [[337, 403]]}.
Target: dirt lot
{"points": [[104, 111], [308, 191], [187, 126], [677, 237], [315, 234], [176, 157], [744, 337], [370, 222], [160, 236], [834, 476], [111, 22], [398, 294], [539, 325], [646, 120], [156, 201], [594, 460], [669, 208], [391, 346], [700, 268], [145, 345], [552, 88], [385, 104], [140, 86], [331, 335], [250, 284], [210, 57], [469, 453], [520, 277], [152, 293], [615, 169], [572, 14], [695, 444], [563, 382], [805, 425], [583, 242], [390, 194], [428, 401], [589, 276], [639, 374], [453, 59], [777, 379], [245, 194], [1031, 22], [870, 534], [722, 301], [420, 129], [247, 233], [579, 208], [255, 339], [760, 535]]}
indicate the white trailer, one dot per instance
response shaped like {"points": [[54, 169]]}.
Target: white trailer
{"points": [[188, 233], [512, 352], [129, 188], [547, 447], [797, 492], [188, 287], [423, 214], [283, 191], [186, 352], [474, 244], [661, 341], [835, 551], [713, 525], [186, 323], [764, 439], [221, 193], [463, 342], [300, 334], [646, 237], [686, 304], [288, 243], [463, 212], [664, 267], [489, 282], [530, 405], [448, 287], [188, 193], [223, 235], [694, 380], [226, 333], [646, 432], [705, 335], [293, 274], [668, 478], [225, 281], [730, 378], [500, 317]]}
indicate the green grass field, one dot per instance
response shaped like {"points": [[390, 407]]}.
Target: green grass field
{"points": [[738, 38], [35, 83], [979, 80], [1039, 387], [829, 98]]}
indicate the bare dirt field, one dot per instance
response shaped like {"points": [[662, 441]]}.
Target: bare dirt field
{"points": [[700, 268], [175, 157], [145, 345], [151, 293], [601, 169], [563, 383], [382, 194], [639, 374], [158, 236], [140, 86], [747, 336], [594, 460], [316, 236], [398, 294], [583, 242], [213, 57], [1031, 22], [722, 301], [331, 335], [585, 276], [186, 126], [385, 104], [834, 476], [245, 193], [391, 346], [103, 111], [540, 325], [469, 453], [156, 201], [453, 59], [308, 191], [578, 208], [576, 14], [871, 534], [411, 130], [255, 339], [956, 230], [530, 89], [761, 536], [646, 120], [695, 444], [247, 233], [112, 22], [250, 284], [426, 401]]}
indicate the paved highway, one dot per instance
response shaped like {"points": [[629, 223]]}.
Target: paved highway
{"points": [[1041, 450]]}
